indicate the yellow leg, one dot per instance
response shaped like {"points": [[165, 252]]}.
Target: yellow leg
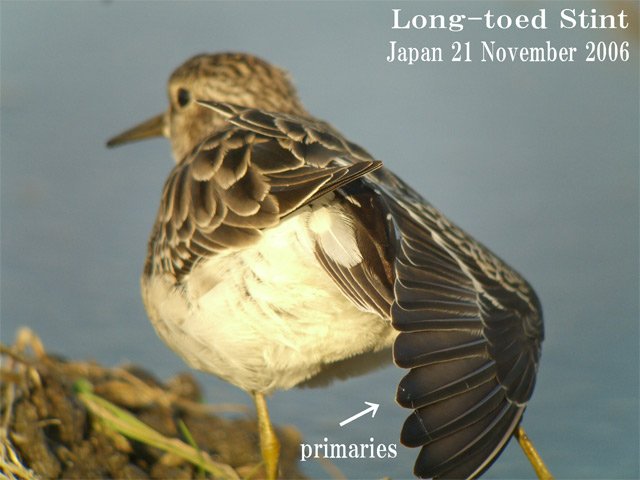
{"points": [[531, 453], [269, 444]]}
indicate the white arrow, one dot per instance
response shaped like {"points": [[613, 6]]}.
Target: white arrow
{"points": [[373, 407]]}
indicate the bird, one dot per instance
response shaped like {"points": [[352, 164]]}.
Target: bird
{"points": [[283, 254]]}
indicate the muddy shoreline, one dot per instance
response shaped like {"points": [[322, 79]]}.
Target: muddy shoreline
{"points": [[78, 420]]}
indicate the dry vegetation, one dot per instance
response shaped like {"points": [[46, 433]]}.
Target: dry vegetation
{"points": [[68, 419]]}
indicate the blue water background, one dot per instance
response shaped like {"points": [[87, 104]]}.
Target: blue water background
{"points": [[537, 161]]}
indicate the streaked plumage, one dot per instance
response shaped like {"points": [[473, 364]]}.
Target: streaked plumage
{"points": [[283, 253]]}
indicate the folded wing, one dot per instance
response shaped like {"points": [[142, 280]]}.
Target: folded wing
{"points": [[245, 179]]}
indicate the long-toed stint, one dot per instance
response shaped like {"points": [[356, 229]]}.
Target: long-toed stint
{"points": [[282, 253]]}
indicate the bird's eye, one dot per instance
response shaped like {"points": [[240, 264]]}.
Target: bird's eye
{"points": [[183, 97]]}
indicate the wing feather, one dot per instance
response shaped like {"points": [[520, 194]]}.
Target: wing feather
{"points": [[470, 327], [235, 183]]}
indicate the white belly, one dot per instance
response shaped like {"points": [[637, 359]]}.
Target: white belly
{"points": [[266, 317]]}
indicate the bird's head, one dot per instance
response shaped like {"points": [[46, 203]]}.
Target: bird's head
{"points": [[235, 78]]}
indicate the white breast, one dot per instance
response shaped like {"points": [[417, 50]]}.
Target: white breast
{"points": [[268, 317]]}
